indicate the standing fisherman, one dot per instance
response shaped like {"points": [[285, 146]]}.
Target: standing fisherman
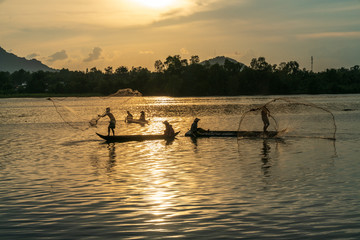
{"points": [[112, 121], [265, 113]]}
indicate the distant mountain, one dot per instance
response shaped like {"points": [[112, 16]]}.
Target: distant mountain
{"points": [[221, 61], [10, 63]]}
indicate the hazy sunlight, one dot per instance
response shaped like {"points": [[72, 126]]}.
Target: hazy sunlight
{"points": [[156, 3]]}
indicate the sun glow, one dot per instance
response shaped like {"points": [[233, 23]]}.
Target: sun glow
{"points": [[156, 3]]}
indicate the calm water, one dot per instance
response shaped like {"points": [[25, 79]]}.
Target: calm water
{"points": [[58, 180]]}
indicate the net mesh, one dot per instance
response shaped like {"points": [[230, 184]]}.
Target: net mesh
{"points": [[294, 116], [78, 115]]}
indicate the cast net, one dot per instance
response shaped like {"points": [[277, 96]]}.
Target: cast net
{"points": [[88, 113], [291, 117]]}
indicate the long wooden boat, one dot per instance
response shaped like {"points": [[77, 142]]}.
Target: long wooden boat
{"points": [[245, 134], [127, 138], [138, 121]]}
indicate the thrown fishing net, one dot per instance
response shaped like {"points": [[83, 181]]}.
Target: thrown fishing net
{"points": [[293, 117], [85, 113]]}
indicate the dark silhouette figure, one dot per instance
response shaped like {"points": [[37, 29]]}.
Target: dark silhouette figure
{"points": [[142, 116], [169, 131], [265, 113], [194, 125], [112, 121], [129, 115]]}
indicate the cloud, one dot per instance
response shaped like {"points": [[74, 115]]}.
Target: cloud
{"points": [[172, 13], [32, 56], [184, 51], [149, 52], [94, 55], [58, 56], [330, 35]]}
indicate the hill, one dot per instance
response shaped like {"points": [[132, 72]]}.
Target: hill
{"points": [[10, 63], [221, 61]]}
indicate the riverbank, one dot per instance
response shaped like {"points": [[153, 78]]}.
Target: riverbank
{"points": [[45, 95]]}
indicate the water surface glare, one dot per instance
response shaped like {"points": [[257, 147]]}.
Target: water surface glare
{"points": [[60, 181]]}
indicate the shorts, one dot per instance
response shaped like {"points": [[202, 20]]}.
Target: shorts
{"points": [[111, 124]]}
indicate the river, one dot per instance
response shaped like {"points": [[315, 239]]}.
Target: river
{"points": [[59, 180]]}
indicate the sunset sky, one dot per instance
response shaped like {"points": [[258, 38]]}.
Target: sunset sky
{"points": [[80, 34]]}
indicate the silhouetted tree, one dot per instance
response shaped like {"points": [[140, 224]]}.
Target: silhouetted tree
{"points": [[121, 70], [175, 77], [37, 83], [194, 59], [260, 64], [6, 86], [159, 66], [108, 70], [174, 64]]}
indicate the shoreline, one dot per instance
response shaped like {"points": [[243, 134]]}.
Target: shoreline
{"points": [[46, 95]]}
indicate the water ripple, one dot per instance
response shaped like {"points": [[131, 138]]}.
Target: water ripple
{"points": [[58, 183]]}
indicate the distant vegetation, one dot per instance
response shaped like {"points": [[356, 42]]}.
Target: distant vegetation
{"points": [[182, 77]]}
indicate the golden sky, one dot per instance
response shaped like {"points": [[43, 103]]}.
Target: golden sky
{"points": [[80, 34]]}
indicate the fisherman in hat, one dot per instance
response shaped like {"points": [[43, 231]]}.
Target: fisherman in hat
{"points": [[194, 125], [112, 121], [129, 115], [142, 116], [169, 131]]}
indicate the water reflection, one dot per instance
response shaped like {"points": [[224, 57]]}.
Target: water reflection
{"points": [[265, 158], [156, 190], [106, 165], [112, 157], [194, 141], [170, 141]]}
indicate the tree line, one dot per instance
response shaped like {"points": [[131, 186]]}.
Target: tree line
{"points": [[187, 77]]}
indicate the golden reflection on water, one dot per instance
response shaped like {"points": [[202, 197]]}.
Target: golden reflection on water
{"points": [[156, 178], [153, 175], [163, 100]]}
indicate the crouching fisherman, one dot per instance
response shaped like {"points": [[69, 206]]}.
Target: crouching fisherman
{"points": [[142, 116], [112, 121], [129, 117], [169, 131], [194, 125], [194, 128]]}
